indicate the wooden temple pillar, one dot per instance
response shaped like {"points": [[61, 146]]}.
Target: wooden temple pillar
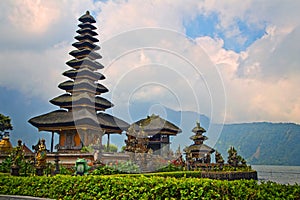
{"points": [[108, 142], [52, 141]]}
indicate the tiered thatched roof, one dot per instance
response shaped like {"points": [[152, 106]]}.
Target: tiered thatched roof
{"points": [[81, 100], [198, 148], [154, 124]]}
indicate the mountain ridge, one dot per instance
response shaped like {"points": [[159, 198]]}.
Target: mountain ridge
{"points": [[258, 142]]}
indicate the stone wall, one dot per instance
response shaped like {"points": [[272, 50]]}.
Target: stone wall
{"points": [[230, 175]]}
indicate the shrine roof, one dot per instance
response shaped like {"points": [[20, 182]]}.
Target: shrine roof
{"points": [[86, 31], [198, 128], [85, 44], [84, 63], [154, 124], [87, 25], [66, 98], [201, 148], [87, 18], [198, 137], [109, 121], [82, 53], [83, 72], [61, 119], [81, 84]]}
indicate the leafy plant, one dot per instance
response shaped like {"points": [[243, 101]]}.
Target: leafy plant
{"points": [[65, 171], [5, 123], [112, 148], [26, 167], [143, 187], [87, 149], [105, 170], [127, 167], [170, 168], [6, 165]]}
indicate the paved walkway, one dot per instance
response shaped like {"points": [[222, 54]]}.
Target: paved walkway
{"points": [[14, 197]]}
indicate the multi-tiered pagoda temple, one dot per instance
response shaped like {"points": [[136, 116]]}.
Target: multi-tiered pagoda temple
{"points": [[198, 152], [81, 119]]}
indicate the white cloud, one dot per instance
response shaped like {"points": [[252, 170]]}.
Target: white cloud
{"points": [[33, 16], [261, 82], [117, 17], [36, 74]]}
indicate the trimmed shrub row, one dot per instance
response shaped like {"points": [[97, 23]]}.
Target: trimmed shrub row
{"points": [[143, 187], [200, 174]]}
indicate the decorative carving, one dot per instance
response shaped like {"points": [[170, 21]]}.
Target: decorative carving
{"points": [[219, 158]]}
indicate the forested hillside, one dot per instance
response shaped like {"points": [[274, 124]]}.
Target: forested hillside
{"points": [[262, 143]]}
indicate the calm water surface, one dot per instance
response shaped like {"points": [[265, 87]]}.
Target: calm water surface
{"points": [[278, 174]]}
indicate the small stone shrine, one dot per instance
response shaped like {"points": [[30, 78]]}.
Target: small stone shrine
{"points": [[5, 145], [198, 152], [152, 133]]}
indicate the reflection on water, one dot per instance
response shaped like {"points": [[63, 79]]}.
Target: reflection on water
{"points": [[278, 174]]}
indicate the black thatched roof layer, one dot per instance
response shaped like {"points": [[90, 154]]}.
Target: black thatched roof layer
{"points": [[85, 45], [87, 25], [86, 37], [87, 18], [83, 85], [81, 100], [57, 120], [198, 137], [86, 31], [85, 53], [84, 73], [198, 128], [109, 122], [60, 118], [154, 125], [201, 148], [84, 62]]}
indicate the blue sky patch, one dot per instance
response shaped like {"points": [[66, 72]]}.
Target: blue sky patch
{"points": [[207, 26], [202, 26]]}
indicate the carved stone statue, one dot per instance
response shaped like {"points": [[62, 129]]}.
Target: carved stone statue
{"points": [[18, 154], [41, 154]]}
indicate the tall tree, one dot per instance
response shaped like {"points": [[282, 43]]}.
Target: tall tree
{"points": [[5, 123]]}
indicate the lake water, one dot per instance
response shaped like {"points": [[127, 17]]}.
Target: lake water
{"points": [[278, 174]]}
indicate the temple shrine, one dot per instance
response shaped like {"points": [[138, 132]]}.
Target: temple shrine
{"points": [[5, 145], [81, 120], [152, 133], [198, 152]]}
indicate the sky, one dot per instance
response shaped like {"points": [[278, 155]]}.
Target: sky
{"points": [[232, 61]]}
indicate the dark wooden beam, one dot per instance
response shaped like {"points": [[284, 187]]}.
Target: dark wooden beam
{"points": [[52, 141]]}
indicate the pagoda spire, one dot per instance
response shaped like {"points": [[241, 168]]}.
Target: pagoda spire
{"points": [[198, 152], [83, 91], [81, 116]]}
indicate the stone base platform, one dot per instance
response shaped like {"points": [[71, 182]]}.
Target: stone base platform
{"points": [[69, 159]]}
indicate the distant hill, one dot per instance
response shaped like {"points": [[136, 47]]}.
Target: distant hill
{"points": [[259, 143], [262, 143]]}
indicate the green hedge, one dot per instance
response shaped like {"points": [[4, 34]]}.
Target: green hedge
{"points": [[142, 187]]}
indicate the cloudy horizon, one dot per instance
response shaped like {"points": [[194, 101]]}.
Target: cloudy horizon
{"points": [[234, 62]]}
